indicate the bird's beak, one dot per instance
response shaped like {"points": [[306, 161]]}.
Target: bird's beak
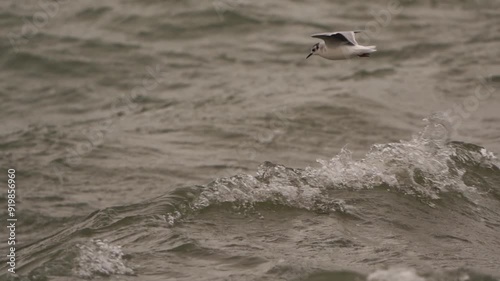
{"points": [[309, 55]]}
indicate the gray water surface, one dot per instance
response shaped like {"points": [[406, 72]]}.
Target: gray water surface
{"points": [[188, 133]]}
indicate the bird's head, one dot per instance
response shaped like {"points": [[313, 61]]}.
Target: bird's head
{"points": [[314, 49]]}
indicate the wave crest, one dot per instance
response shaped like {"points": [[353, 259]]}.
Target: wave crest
{"points": [[425, 166]]}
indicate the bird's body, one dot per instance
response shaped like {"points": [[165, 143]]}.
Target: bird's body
{"points": [[340, 45]]}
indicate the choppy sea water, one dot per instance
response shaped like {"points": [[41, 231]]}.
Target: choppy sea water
{"points": [[187, 140]]}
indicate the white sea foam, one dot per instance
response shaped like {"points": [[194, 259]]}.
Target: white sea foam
{"points": [[424, 166], [395, 274], [99, 257], [283, 188]]}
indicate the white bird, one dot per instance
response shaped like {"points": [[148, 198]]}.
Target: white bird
{"points": [[340, 45]]}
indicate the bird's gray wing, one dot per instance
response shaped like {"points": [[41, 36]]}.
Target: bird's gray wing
{"points": [[349, 35], [336, 38]]}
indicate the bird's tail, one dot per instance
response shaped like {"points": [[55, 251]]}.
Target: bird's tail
{"points": [[365, 51], [370, 49]]}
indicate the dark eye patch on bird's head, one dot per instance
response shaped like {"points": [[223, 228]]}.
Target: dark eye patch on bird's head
{"points": [[315, 47]]}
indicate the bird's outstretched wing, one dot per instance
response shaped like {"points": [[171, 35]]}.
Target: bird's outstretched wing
{"points": [[338, 38]]}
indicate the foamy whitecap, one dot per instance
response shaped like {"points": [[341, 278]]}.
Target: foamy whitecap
{"points": [[425, 166], [395, 274], [487, 154], [422, 166], [274, 184], [99, 257]]}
